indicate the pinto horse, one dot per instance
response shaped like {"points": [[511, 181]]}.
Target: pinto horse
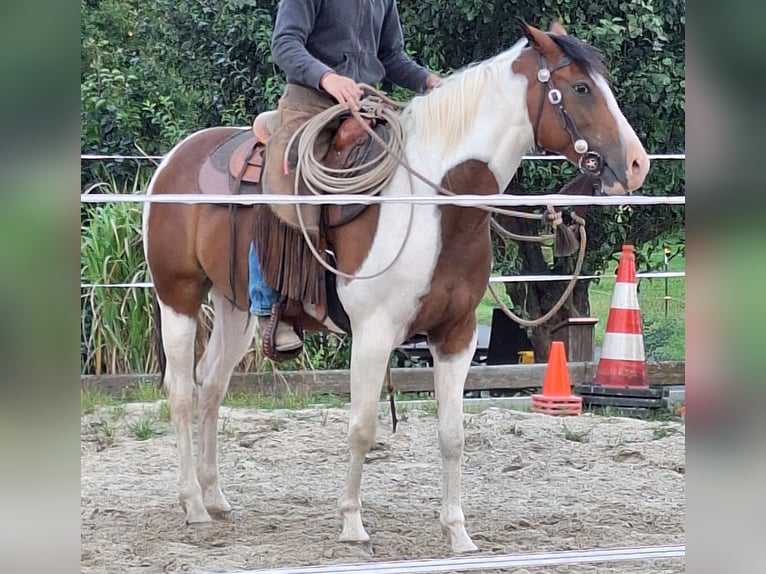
{"points": [[468, 135]]}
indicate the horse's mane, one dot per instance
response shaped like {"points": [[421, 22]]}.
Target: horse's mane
{"points": [[446, 114], [587, 57]]}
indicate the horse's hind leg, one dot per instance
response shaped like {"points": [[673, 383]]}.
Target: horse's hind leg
{"points": [[370, 352], [178, 332], [450, 372], [229, 340]]}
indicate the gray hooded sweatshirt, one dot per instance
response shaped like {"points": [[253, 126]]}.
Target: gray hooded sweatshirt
{"points": [[361, 39]]}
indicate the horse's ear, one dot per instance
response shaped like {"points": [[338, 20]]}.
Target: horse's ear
{"points": [[522, 26], [538, 39], [557, 28], [527, 29]]}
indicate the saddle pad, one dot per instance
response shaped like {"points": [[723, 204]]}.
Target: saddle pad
{"points": [[214, 177], [247, 161], [222, 154]]}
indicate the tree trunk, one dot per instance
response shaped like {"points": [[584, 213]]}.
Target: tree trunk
{"points": [[533, 299]]}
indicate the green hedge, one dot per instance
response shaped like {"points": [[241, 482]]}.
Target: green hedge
{"points": [[154, 71]]}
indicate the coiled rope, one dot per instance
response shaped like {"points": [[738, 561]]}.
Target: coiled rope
{"points": [[369, 178]]}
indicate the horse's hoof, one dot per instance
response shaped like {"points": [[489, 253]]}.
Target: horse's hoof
{"points": [[460, 543], [465, 548], [195, 513], [219, 513], [199, 525], [359, 547]]}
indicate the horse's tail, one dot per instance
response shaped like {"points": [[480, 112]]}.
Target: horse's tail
{"points": [[158, 347]]}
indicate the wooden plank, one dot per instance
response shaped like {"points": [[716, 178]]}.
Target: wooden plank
{"points": [[626, 402], [303, 383], [590, 390], [667, 373], [116, 385]]}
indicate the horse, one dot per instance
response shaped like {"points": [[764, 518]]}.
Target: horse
{"points": [[469, 135]]}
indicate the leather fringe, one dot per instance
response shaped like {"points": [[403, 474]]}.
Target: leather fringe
{"points": [[287, 264]]}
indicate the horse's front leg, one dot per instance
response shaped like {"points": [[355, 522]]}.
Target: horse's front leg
{"points": [[450, 371], [370, 353]]}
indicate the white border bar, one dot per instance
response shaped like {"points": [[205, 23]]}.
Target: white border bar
{"points": [[346, 199], [499, 279], [525, 278], [97, 157], [487, 562]]}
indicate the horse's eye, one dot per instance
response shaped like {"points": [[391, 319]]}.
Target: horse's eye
{"points": [[582, 89]]}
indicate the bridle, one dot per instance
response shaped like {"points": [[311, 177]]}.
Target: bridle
{"points": [[590, 163]]}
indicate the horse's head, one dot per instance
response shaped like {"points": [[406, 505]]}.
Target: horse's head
{"points": [[574, 113]]}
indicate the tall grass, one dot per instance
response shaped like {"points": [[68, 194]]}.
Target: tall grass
{"points": [[116, 330]]}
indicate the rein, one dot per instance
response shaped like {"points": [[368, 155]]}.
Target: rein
{"points": [[564, 296]]}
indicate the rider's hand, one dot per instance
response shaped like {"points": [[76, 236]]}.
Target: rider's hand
{"points": [[343, 89], [432, 81]]}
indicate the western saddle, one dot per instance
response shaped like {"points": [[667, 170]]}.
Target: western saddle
{"points": [[246, 161], [236, 167]]}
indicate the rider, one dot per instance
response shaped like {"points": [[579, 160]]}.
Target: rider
{"points": [[327, 48]]}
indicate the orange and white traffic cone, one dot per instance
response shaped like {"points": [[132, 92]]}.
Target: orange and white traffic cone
{"points": [[557, 397], [622, 362]]}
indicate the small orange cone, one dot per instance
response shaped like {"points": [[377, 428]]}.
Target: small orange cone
{"points": [[557, 397]]}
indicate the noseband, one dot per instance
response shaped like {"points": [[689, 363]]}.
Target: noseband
{"points": [[590, 162]]}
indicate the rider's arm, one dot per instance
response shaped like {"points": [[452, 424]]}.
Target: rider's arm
{"points": [[294, 23], [400, 68]]}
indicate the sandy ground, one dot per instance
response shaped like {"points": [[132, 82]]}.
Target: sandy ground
{"points": [[531, 483]]}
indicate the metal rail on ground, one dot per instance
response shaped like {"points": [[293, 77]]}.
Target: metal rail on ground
{"points": [[487, 562]]}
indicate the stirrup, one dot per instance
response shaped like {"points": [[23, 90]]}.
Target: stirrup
{"points": [[269, 337]]}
